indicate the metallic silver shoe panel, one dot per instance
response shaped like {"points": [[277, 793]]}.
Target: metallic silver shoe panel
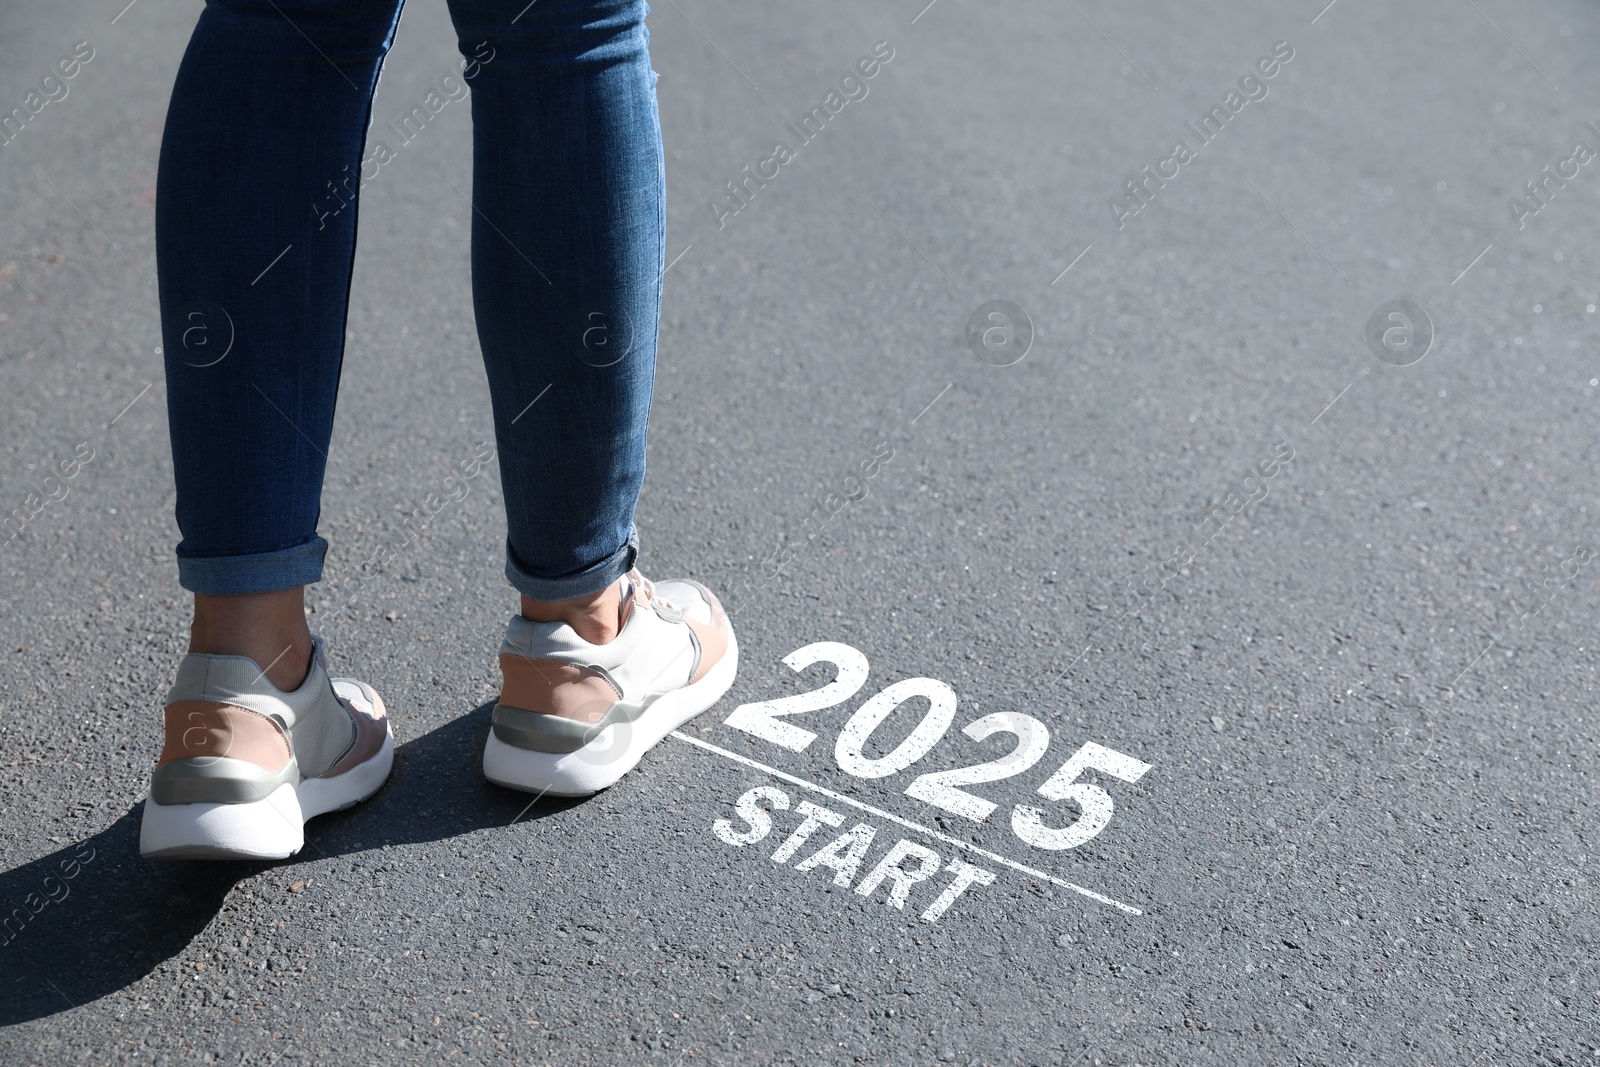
{"points": [[538, 732], [217, 780]]}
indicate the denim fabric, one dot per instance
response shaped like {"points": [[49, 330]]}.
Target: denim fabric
{"points": [[267, 140]]}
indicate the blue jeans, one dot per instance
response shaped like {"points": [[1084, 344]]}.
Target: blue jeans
{"points": [[266, 147]]}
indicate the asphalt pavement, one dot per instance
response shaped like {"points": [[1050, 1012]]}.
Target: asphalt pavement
{"points": [[1158, 439]]}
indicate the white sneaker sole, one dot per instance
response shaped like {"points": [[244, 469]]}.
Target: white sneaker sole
{"points": [[269, 829], [616, 751]]}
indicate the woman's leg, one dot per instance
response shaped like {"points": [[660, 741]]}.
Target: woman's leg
{"points": [[567, 247], [567, 243], [255, 239], [267, 118]]}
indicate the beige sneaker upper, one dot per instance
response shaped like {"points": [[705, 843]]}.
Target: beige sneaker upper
{"points": [[672, 634], [224, 706]]}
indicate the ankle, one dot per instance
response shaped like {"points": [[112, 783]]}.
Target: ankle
{"points": [[595, 617], [268, 628]]}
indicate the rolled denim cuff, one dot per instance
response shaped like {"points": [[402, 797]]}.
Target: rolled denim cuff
{"points": [[262, 572], [591, 579]]}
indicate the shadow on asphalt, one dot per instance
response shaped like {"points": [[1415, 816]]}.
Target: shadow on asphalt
{"points": [[94, 917]]}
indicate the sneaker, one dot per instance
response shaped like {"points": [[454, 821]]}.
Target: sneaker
{"points": [[245, 765], [575, 717]]}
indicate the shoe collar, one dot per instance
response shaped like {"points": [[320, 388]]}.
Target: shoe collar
{"points": [[240, 681]]}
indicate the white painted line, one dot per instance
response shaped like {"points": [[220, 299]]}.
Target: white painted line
{"points": [[1324, 11], [880, 813], [1474, 263], [924, 11]]}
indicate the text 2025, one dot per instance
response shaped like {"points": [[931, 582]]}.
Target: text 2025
{"points": [[1035, 825]]}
